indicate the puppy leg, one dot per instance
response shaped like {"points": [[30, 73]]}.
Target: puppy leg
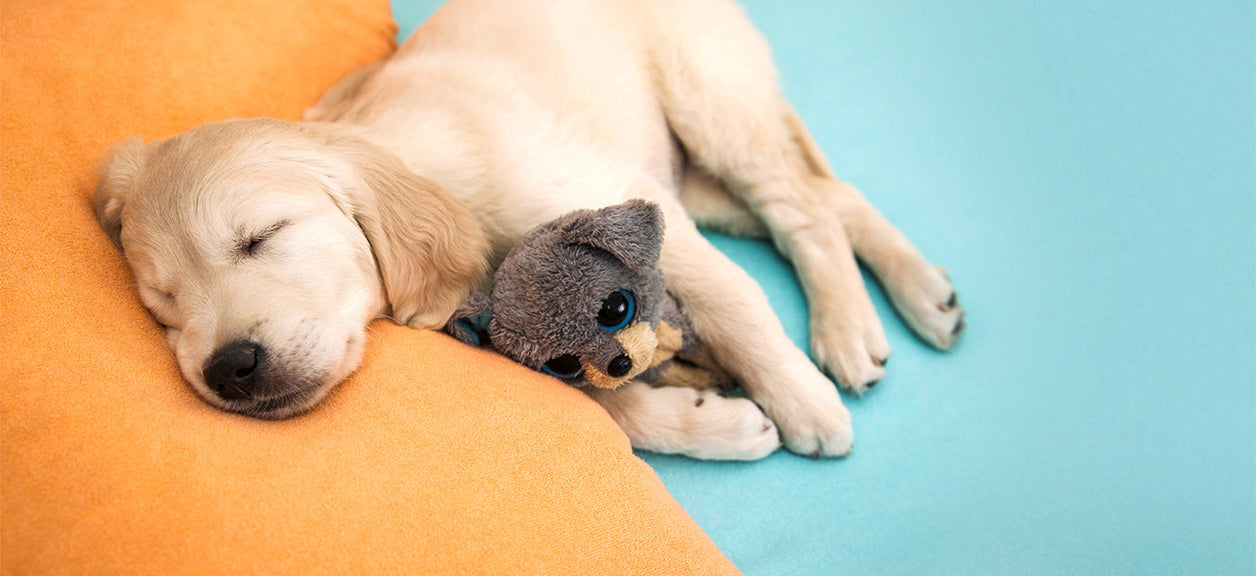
{"points": [[710, 205], [687, 375], [920, 292], [716, 83], [695, 423], [722, 103], [746, 338]]}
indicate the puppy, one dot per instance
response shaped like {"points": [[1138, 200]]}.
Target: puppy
{"points": [[266, 246]]}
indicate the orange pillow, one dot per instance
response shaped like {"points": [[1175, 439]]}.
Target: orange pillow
{"points": [[434, 458]]}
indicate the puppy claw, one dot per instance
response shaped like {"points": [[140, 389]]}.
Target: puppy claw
{"points": [[818, 455], [959, 327]]}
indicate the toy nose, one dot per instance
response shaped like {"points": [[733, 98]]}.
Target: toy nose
{"points": [[619, 366]]}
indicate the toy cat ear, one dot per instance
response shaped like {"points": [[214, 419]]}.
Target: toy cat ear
{"points": [[469, 324], [631, 232]]}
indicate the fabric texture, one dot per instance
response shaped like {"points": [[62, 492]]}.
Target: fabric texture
{"points": [[433, 458]]}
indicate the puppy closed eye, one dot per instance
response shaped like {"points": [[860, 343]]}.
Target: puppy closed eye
{"points": [[251, 245], [162, 302], [159, 294]]}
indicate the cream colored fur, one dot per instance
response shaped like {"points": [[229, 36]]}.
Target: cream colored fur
{"points": [[524, 111]]}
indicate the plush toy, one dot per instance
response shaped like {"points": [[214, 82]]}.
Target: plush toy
{"points": [[582, 299]]}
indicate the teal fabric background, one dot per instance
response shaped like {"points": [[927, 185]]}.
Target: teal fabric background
{"points": [[1087, 174]]}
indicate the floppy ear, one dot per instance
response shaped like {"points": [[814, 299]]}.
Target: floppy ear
{"points": [[631, 232], [429, 248], [116, 177], [469, 323]]}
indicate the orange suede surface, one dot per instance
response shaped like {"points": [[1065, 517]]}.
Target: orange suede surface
{"points": [[434, 458]]}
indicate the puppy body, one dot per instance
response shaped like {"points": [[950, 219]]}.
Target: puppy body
{"points": [[524, 111]]}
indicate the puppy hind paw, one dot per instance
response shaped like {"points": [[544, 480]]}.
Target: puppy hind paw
{"points": [[855, 362], [929, 304]]}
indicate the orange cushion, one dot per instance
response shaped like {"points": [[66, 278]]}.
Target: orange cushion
{"points": [[434, 458]]}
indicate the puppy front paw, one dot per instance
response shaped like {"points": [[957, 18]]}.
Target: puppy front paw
{"points": [[814, 422], [822, 438]]}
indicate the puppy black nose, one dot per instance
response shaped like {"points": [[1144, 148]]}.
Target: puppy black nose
{"points": [[232, 372], [621, 365]]}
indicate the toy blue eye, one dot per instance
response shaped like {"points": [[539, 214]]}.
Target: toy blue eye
{"points": [[565, 367], [617, 310]]}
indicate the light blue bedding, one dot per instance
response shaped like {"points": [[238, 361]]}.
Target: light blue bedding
{"points": [[1087, 173]]}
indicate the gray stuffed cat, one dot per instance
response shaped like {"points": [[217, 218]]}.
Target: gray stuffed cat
{"points": [[582, 299]]}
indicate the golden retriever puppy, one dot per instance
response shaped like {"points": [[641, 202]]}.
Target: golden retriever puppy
{"points": [[265, 247]]}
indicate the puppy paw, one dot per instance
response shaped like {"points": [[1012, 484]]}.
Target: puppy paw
{"points": [[724, 428], [700, 424], [850, 347], [813, 421], [926, 300], [829, 436]]}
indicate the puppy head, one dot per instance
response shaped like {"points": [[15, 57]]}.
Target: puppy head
{"points": [[262, 247], [578, 298]]}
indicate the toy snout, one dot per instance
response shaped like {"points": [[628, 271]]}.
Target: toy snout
{"points": [[639, 343]]}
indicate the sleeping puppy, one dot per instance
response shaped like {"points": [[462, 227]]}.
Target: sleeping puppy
{"points": [[265, 247]]}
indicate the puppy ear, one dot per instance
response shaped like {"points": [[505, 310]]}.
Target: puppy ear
{"points": [[116, 178], [631, 232], [429, 248], [469, 323]]}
